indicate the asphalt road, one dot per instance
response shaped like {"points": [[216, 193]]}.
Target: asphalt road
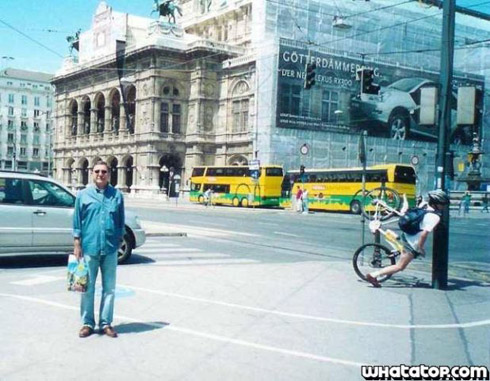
{"points": [[334, 235], [247, 295]]}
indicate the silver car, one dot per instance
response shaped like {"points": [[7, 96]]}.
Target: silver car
{"points": [[36, 217]]}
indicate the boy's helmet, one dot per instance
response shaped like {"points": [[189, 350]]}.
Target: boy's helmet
{"points": [[438, 197]]}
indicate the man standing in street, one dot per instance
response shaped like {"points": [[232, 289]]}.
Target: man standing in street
{"points": [[98, 228]]}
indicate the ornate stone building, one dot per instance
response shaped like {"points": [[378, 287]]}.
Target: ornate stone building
{"points": [[171, 105], [225, 85]]}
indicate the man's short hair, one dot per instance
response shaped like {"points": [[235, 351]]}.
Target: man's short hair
{"points": [[101, 162]]}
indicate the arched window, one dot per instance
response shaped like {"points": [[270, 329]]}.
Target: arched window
{"points": [[240, 107], [170, 110]]}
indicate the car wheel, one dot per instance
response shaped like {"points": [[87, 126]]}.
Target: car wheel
{"points": [[245, 202], [398, 126], [200, 199], [236, 201], [125, 249]]}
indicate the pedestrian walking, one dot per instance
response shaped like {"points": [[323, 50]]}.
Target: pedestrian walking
{"points": [[414, 243], [304, 199], [98, 229], [484, 202], [466, 203], [208, 194], [299, 199]]}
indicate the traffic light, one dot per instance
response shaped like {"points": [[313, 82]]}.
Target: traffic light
{"points": [[366, 76], [310, 75], [302, 174]]}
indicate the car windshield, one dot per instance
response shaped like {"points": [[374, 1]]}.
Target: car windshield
{"points": [[406, 84]]}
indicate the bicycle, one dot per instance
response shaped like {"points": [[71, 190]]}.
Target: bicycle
{"points": [[381, 205]]}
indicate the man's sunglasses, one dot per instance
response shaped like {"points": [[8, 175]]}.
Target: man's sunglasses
{"points": [[100, 171]]}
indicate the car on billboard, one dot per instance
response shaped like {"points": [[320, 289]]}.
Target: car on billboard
{"points": [[395, 112], [36, 217]]}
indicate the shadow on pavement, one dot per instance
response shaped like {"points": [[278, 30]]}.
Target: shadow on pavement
{"points": [[137, 259], [32, 261], [139, 327], [54, 260], [410, 281]]}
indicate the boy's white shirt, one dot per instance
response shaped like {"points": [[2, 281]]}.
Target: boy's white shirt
{"points": [[428, 224]]}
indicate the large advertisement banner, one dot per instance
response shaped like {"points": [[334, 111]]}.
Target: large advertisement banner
{"points": [[334, 102]]}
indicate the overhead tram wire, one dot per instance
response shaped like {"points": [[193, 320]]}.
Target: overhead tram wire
{"points": [[390, 26], [30, 38]]}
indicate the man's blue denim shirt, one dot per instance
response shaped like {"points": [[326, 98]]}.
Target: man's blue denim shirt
{"points": [[98, 220]]}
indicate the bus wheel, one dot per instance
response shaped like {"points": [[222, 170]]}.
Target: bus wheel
{"points": [[236, 201], [200, 199], [245, 202], [355, 207]]}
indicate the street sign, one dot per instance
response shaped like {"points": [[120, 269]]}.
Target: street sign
{"points": [[254, 174], [254, 165]]}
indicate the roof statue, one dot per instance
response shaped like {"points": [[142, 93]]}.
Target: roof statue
{"points": [[73, 41], [167, 8]]}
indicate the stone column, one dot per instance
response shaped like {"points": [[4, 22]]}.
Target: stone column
{"points": [[93, 120], [80, 126], [107, 119], [122, 118], [121, 178]]}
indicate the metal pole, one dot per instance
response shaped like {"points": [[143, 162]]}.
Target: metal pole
{"points": [[363, 158], [441, 233]]}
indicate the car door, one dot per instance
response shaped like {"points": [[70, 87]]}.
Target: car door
{"points": [[52, 215], [15, 217]]}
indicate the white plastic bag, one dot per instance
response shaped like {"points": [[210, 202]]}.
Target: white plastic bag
{"points": [[77, 276]]}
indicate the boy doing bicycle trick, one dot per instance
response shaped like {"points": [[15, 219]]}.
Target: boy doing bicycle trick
{"points": [[414, 243]]}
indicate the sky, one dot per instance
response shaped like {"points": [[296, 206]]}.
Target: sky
{"points": [[26, 25]]}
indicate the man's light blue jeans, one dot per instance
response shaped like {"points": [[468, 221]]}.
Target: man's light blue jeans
{"points": [[108, 265]]}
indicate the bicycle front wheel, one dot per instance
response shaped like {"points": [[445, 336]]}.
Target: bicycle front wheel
{"points": [[372, 257], [381, 203]]}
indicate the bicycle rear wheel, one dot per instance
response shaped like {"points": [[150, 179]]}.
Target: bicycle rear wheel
{"points": [[380, 203], [372, 257]]}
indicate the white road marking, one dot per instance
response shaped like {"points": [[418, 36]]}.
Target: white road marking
{"points": [[189, 229], [40, 279], [191, 332], [316, 318], [142, 250], [191, 255], [230, 261], [288, 234], [158, 244]]}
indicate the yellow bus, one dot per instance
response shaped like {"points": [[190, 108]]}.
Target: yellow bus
{"points": [[233, 185], [340, 189]]}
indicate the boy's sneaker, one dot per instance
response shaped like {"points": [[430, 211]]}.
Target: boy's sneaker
{"points": [[373, 281]]}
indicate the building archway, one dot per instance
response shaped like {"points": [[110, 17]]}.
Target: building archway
{"points": [[100, 107], [170, 165], [113, 163], [238, 160], [128, 169], [87, 105], [115, 101], [84, 168], [73, 117]]}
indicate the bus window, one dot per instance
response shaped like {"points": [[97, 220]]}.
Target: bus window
{"points": [[404, 175], [198, 171], [273, 172], [195, 187], [220, 188]]}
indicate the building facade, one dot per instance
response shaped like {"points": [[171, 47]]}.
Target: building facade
{"points": [[225, 85], [26, 104]]}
